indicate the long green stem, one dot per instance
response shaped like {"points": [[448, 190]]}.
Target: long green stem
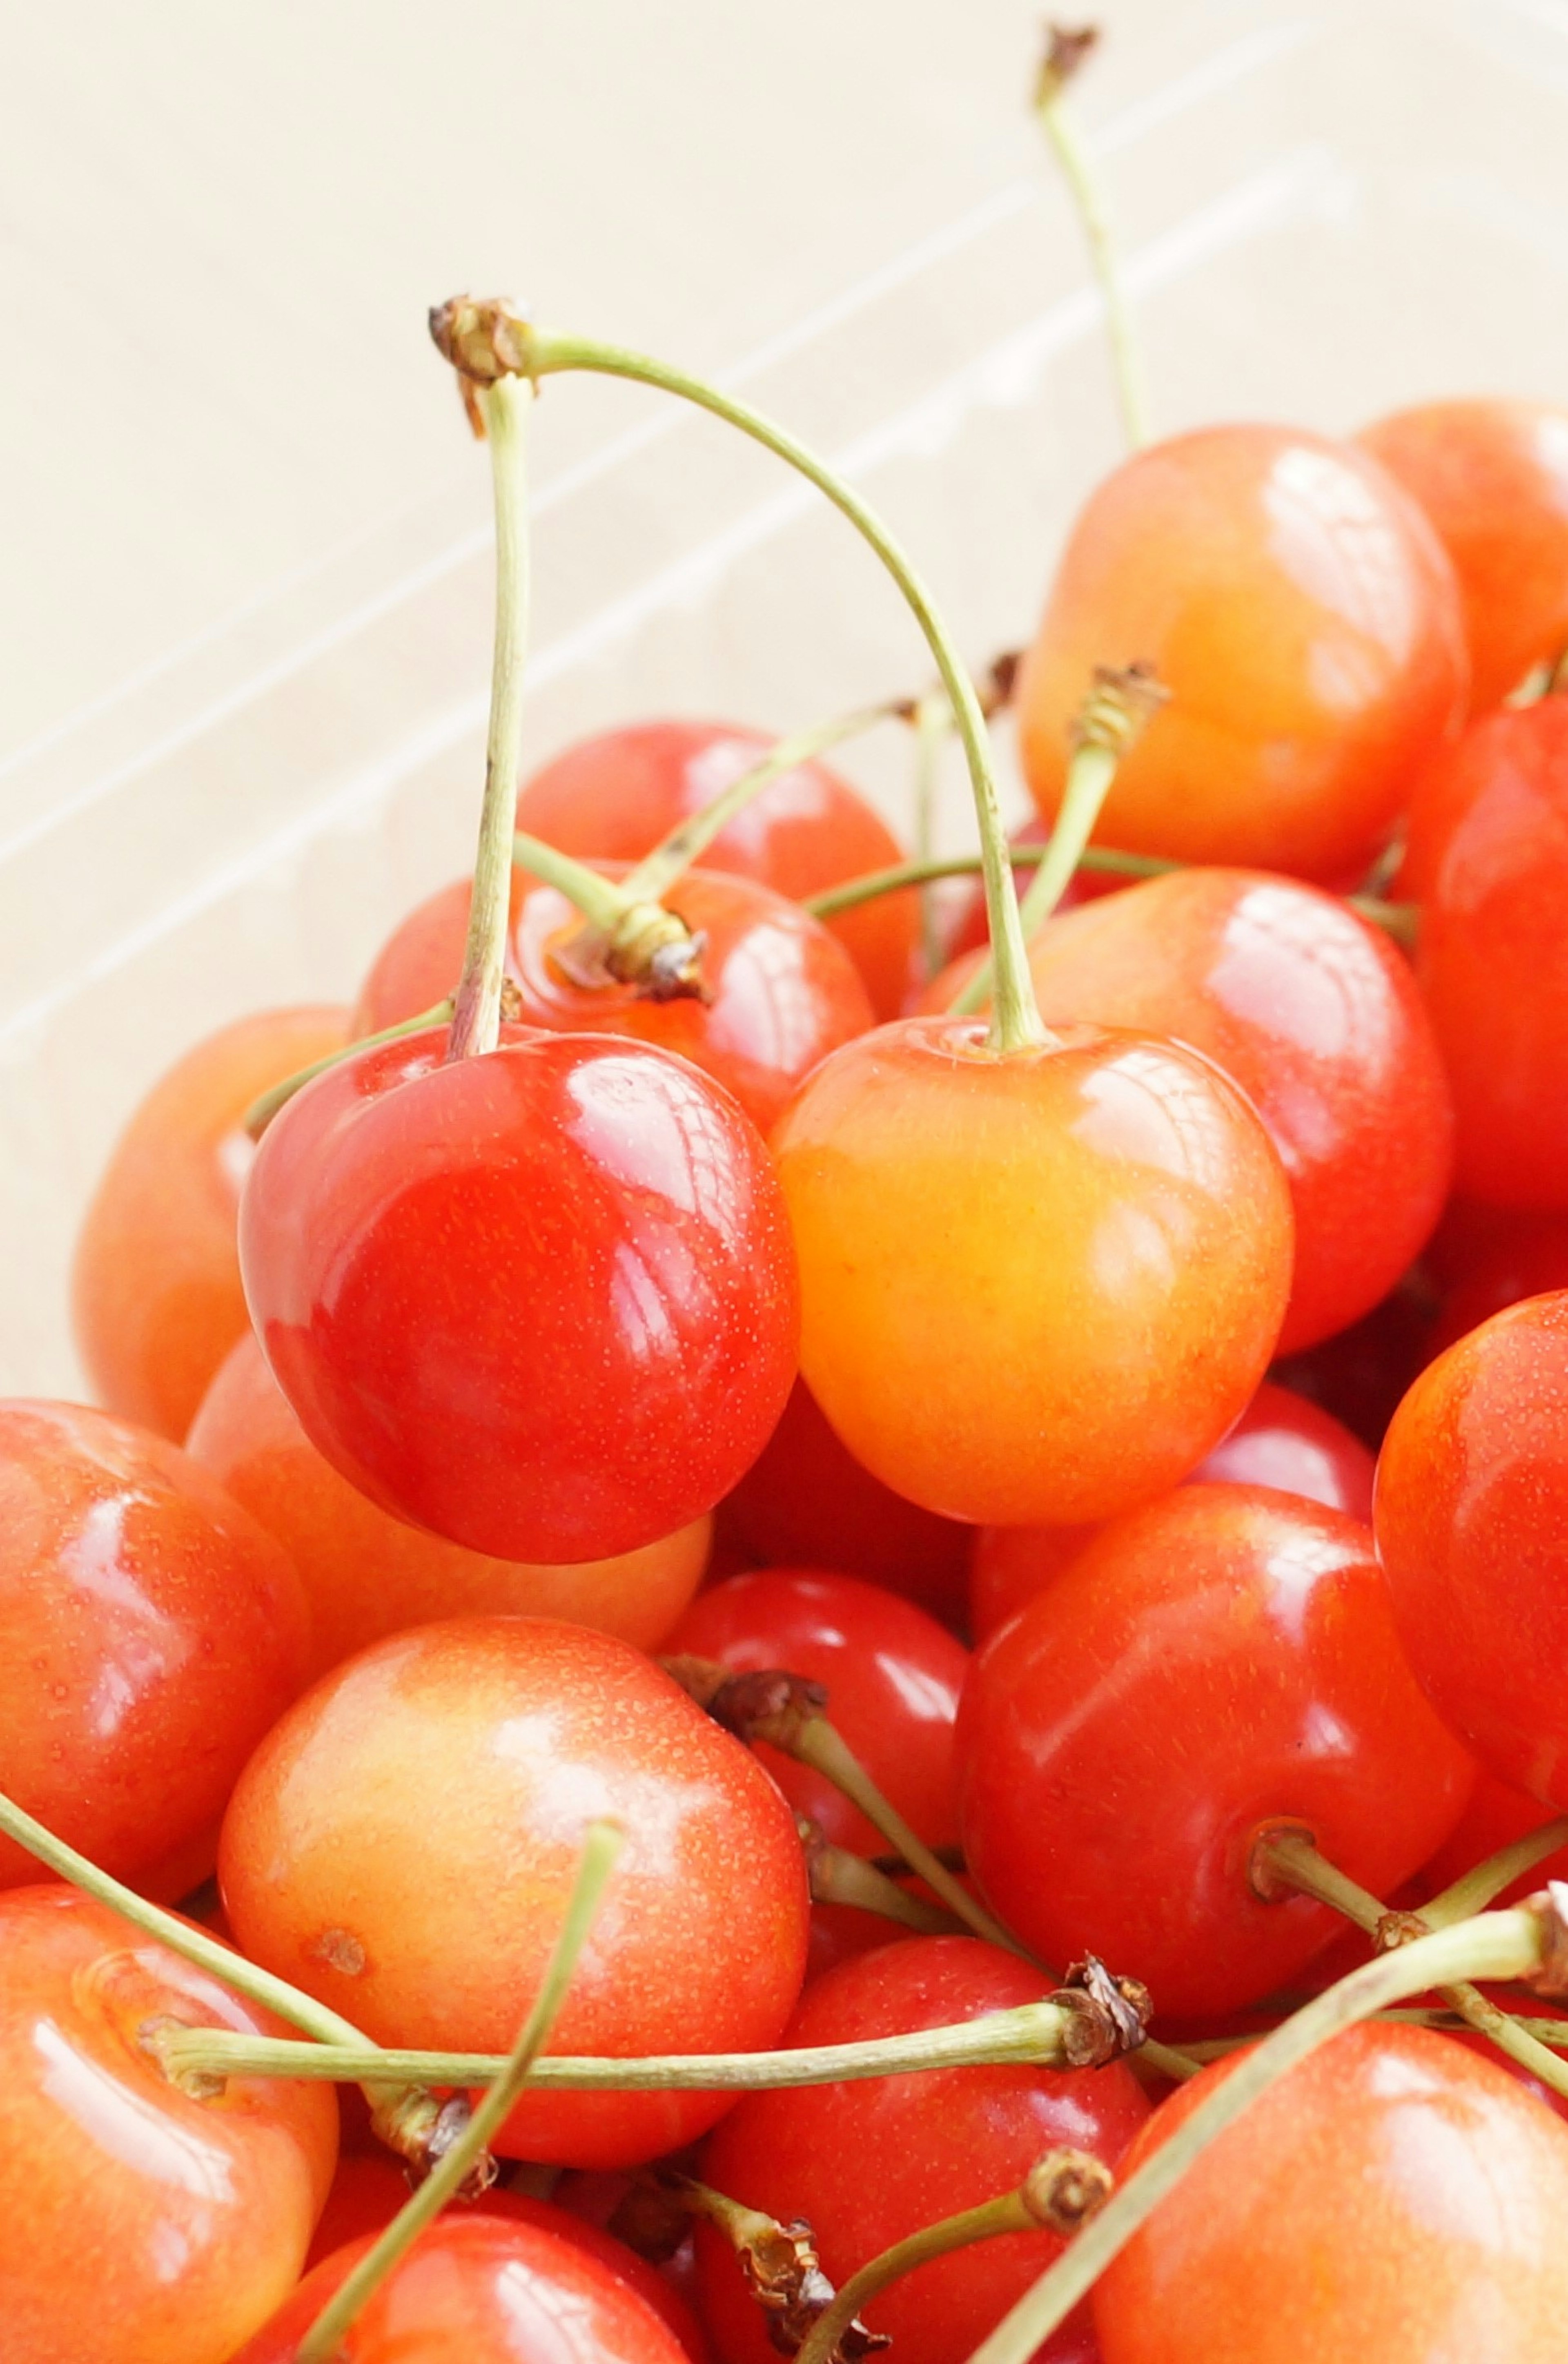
{"points": [[263, 1108], [933, 720], [476, 1020], [1065, 53], [601, 1846], [853, 892], [602, 900], [1495, 1946], [1036, 2033], [1474, 1890]]}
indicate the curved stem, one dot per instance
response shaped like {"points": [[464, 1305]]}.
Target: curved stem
{"points": [[839, 1877], [1005, 2214], [852, 892], [1033, 2033], [541, 352], [601, 1846], [476, 1020], [1474, 1890], [264, 1108], [602, 900], [1063, 54], [933, 720], [1495, 1946]]}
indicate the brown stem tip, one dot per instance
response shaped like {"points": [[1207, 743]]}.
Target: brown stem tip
{"points": [[1064, 2188], [1122, 701], [781, 2265], [1108, 2015], [421, 2129], [771, 1705], [1549, 1906], [1065, 51]]}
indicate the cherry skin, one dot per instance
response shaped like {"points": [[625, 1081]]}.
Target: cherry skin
{"points": [[1471, 1519], [1281, 1440], [1491, 476], [1095, 1304], [542, 1302], [485, 2288], [403, 1844], [155, 1295], [1219, 1662], [1304, 617], [806, 1503], [137, 2223], [617, 795], [892, 1675], [367, 1574], [1397, 2195], [1487, 861], [149, 1634], [870, 2161], [1496, 1816], [1316, 1017], [781, 993]]}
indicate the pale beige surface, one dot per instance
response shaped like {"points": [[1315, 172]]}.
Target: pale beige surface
{"points": [[245, 595]]}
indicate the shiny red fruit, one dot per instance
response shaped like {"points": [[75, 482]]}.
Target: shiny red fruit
{"points": [[149, 1634], [617, 795], [1222, 1661], [781, 993], [542, 1302]]}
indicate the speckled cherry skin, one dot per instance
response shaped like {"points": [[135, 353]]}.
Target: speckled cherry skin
{"points": [[542, 1301], [404, 1843], [1223, 1660], [1305, 620]]}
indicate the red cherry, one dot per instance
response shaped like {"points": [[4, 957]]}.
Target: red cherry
{"points": [[1316, 1017], [1305, 618], [868, 2162], [806, 1503], [155, 1295], [541, 1302], [486, 2288], [1496, 1816], [403, 1844], [783, 993], [1037, 1287], [617, 795], [149, 1634], [1487, 861], [137, 2221], [892, 1675], [1493, 478], [1395, 2196], [367, 1574], [1472, 1520], [1281, 1440], [1223, 1660]]}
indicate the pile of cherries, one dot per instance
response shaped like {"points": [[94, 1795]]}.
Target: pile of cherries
{"points": [[654, 1263]]}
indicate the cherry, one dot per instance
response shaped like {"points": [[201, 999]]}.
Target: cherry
{"points": [[870, 2161], [149, 1634], [1493, 478], [403, 1843], [1097, 1300], [617, 795], [893, 1676], [781, 992], [366, 1574], [1487, 861], [137, 2221], [1472, 1518], [155, 1295], [541, 1301], [1281, 1440], [1219, 1662], [1305, 620], [489, 2288], [1316, 1015], [1496, 1816], [806, 1503], [1398, 2195]]}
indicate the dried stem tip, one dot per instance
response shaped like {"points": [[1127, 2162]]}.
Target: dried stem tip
{"points": [[1119, 707], [1064, 2188], [1107, 2016], [771, 1705], [1549, 1906], [421, 2128], [781, 2265], [484, 337], [1065, 51]]}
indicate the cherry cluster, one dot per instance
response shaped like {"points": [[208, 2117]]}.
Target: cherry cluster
{"points": [[709, 1235]]}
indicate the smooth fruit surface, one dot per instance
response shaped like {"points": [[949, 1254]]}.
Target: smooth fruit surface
{"points": [[1038, 1287]]}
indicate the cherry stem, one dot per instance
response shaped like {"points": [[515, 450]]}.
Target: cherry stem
{"points": [[476, 1019], [488, 339], [838, 1877], [1037, 2034], [1286, 1857], [1111, 721], [853, 892], [602, 1845], [1515, 1945], [601, 901], [1065, 53], [1474, 1889], [262, 1110], [1061, 2191], [933, 720]]}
